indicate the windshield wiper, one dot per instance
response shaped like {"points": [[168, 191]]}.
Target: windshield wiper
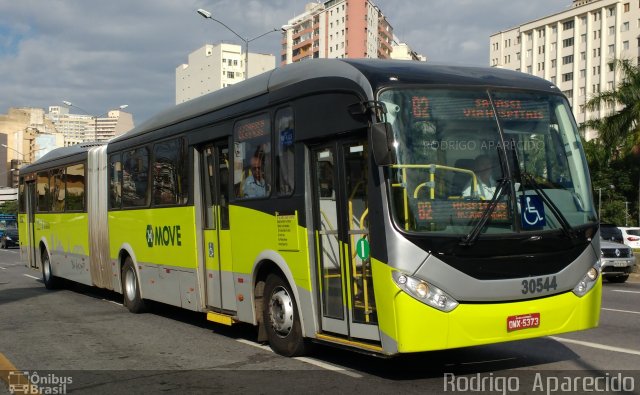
{"points": [[566, 226], [472, 236]]}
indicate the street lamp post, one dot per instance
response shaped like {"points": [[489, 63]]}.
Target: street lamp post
{"points": [[207, 15], [95, 117], [600, 201]]}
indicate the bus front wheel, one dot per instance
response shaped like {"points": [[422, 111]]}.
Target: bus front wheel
{"points": [[281, 320], [131, 288], [50, 281]]}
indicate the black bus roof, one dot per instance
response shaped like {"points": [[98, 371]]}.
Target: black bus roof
{"points": [[364, 76], [361, 76], [73, 153]]}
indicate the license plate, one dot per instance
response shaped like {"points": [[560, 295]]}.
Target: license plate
{"points": [[517, 322], [619, 264]]}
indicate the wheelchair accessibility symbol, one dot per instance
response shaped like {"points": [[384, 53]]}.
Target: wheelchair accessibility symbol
{"points": [[532, 212]]}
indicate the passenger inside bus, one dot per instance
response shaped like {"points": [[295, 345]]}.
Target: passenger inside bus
{"points": [[486, 183], [254, 184]]}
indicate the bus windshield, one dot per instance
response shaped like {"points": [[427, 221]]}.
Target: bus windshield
{"points": [[509, 160]]}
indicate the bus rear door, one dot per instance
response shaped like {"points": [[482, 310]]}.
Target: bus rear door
{"points": [[30, 242], [340, 193], [220, 292]]}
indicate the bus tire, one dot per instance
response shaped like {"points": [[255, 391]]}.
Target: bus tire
{"points": [[131, 288], [281, 319], [50, 281]]}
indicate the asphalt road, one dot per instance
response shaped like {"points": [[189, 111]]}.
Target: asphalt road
{"points": [[82, 340]]}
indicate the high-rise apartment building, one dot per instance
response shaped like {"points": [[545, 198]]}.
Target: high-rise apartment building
{"points": [[213, 67], [79, 128], [574, 49], [337, 29]]}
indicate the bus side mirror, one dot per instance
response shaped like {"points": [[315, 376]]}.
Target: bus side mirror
{"points": [[381, 140]]}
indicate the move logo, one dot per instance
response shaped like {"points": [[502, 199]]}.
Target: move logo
{"points": [[164, 235]]}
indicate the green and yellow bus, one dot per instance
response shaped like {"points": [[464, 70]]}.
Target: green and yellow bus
{"points": [[340, 202]]}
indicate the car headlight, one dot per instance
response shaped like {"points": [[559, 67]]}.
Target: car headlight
{"points": [[589, 280], [8, 238], [426, 293]]}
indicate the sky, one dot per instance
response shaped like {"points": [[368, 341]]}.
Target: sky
{"points": [[102, 54]]}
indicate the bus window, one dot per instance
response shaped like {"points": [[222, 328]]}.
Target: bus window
{"points": [[43, 191], [135, 178], [75, 187], [169, 173], [252, 157], [57, 190], [115, 181], [285, 154]]}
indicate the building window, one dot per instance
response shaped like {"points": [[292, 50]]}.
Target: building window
{"points": [[612, 49], [611, 11], [583, 55], [230, 74], [567, 77], [596, 70], [541, 33], [530, 69], [583, 73], [583, 38], [582, 91], [567, 59], [625, 45], [596, 16], [596, 52], [597, 34], [553, 63], [626, 7], [568, 25], [541, 50], [625, 27], [612, 30], [595, 88], [518, 56], [567, 42]]}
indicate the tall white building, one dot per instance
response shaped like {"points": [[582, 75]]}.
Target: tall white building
{"points": [[574, 49], [214, 67]]}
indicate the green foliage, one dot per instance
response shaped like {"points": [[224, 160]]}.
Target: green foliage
{"points": [[614, 158], [9, 207]]}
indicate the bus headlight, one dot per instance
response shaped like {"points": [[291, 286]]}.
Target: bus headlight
{"points": [[425, 292], [588, 281]]}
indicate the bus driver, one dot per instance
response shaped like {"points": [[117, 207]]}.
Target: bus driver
{"points": [[486, 186]]}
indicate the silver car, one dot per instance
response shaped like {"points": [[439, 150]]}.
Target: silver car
{"points": [[617, 261]]}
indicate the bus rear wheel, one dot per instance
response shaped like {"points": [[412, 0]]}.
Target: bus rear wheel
{"points": [[131, 288], [50, 281], [281, 319]]}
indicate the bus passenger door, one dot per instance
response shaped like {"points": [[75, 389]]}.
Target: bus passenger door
{"points": [[30, 206], [341, 228], [220, 292]]}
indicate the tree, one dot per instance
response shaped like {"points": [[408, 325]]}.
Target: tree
{"points": [[614, 157], [9, 207], [620, 131]]}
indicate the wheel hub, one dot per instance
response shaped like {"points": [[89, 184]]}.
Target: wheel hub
{"points": [[281, 311]]}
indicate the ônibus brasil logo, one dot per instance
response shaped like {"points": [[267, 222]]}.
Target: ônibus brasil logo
{"points": [[164, 235]]}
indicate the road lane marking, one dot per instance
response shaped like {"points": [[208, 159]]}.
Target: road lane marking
{"points": [[596, 345], [30, 276], [310, 361], [624, 290], [622, 311], [3, 268]]}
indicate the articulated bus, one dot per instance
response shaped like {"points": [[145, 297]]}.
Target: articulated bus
{"points": [[337, 202]]}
